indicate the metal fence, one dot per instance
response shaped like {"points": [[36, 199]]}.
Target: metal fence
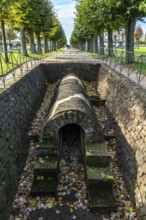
{"points": [[117, 60], [17, 65]]}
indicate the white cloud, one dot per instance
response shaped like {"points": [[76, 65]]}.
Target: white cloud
{"points": [[66, 16], [66, 11]]}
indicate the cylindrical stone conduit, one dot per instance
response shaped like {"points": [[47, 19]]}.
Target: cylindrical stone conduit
{"points": [[71, 106]]}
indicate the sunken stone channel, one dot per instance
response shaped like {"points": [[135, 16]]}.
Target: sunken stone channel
{"points": [[71, 138], [71, 105]]}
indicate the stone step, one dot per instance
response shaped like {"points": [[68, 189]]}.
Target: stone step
{"points": [[34, 137], [43, 152], [97, 154], [97, 101], [47, 148], [101, 200], [46, 167], [109, 136], [44, 186], [99, 177]]}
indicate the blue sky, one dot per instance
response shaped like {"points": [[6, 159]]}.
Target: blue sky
{"points": [[65, 10]]}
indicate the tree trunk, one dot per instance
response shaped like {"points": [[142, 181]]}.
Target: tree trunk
{"points": [[50, 45], [101, 44], [88, 45], [115, 43], [46, 48], [96, 44], [129, 32], [31, 41], [54, 46], [110, 42], [122, 43], [4, 42], [23, 43], [39, 43], [84, 46], [138, 44], [10, 45], [91, 44]]}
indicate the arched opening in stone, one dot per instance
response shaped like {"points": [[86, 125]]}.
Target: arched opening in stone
{"points": [[71, 142]]}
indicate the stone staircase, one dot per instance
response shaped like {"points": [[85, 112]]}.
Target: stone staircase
{"points": [[45, 169], [97, 101], [99, 178], [47, 148], [99, 175]]}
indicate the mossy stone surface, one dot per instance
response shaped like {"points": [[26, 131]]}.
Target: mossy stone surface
{"points": [[50, 143], [99, 149], [49, 163], [101, 200], [99, 173], [98, 160], [45, 186], [44, 152]]}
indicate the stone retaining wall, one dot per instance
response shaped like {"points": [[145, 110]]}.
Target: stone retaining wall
{"points": [[127, 105], [18, 105], [86, 71]]}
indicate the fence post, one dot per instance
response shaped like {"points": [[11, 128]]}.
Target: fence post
{"points": [[2, 71], [140, 71]]}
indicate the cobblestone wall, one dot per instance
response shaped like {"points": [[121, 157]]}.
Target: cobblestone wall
{"points": [[18, 105], [127, 104], [86, 71]]}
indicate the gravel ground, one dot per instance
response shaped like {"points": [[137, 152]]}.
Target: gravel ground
{"points": [[72, 202]]}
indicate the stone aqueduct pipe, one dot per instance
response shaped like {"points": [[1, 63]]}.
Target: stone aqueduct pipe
{"points": [[71, 105]]}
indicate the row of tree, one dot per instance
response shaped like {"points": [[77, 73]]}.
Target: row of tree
{"points": [[32, 17], [119, 37], [95, 17]]}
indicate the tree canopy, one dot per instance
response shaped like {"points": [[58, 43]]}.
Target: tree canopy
{"points": [[29, 16], [99, 16]]}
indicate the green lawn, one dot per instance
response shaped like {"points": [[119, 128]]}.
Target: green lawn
{"points": [[16, 58], [139, 60], [142, 50]]}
